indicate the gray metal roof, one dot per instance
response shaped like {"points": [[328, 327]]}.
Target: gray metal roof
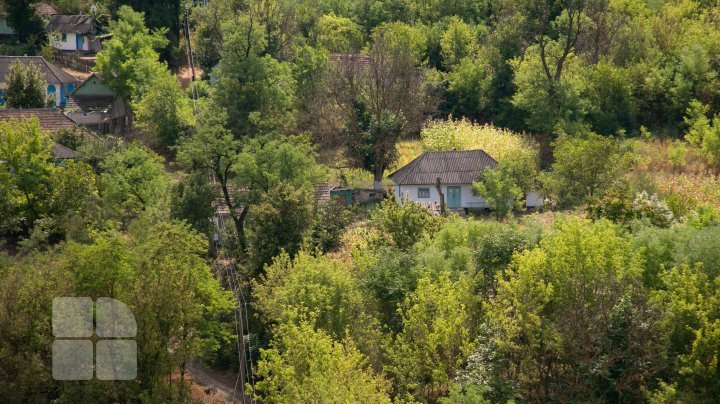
{"points": [[53, 74], [71, 24], [452, 167]]}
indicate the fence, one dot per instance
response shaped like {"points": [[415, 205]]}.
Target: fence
{"points": [[74, 62]]}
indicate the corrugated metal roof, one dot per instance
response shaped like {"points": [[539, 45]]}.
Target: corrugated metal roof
{"points": [[53, 74], [452, 167], [71, 24]]}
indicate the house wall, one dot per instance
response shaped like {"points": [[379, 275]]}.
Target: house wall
{"points": [[61, 92], [5, 29], [532, 200], [70, 42], [94, 86], [467, 199]]}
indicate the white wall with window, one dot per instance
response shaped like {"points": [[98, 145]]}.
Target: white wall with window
{"points": [[429, 194], [70, 41]]}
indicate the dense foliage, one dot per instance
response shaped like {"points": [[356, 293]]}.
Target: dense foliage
{"points": [[212, 218]]}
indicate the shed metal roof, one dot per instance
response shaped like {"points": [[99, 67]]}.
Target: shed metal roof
{"points": [[452, 167]]}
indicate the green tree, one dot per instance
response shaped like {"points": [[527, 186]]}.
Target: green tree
{"points": [[26, 170], [404, 224], [500, 190], [159, 15], [337, 34], [192, 201], [164, 110], [133, 179], [699, 126], [256, 90], [25, 86], [173, 320], [584, 167], [691, 303], [129, 60], [22, 18], [546, 98], [306, 365], [383, 99], [320, 290], [280, 218], [457, 42], [436, 338], [570, 318]]}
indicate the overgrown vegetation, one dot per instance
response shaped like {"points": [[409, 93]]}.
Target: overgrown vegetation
{"points": [[210, 228]]}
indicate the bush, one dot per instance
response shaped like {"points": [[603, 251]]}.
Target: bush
{"points": [[404, 224]]}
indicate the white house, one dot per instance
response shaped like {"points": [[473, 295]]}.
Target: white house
{"points": [[456, 171], [73, 33]]}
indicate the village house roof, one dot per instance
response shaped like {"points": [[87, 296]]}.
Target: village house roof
{"points": [[50, 119], [53, 74], [71, 24], [352, 61], [452, 167], [42, 9]]}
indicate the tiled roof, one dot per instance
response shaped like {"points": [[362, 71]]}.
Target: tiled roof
{"points": [[452, 167], [42, 9], [51, 120], [69, 24], [62, 152], [350, 60], [53, 74]]}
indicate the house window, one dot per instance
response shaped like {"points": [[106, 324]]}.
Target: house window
{"points": [[423, 192], [63, 37]]}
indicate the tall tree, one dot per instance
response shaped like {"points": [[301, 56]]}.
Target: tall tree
{"points": [[25, 86], [306, 365], [21, 16], [129, 60], [382, 96], [212, 149], [162, 15]]}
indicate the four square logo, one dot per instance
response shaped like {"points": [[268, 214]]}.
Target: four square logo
{"points": [[73, 351]]}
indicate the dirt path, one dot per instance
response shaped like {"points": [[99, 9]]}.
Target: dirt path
{"points": [[212, 380]]}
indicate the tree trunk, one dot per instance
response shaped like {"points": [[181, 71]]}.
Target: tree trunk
{"points": [[377, 178], [438, 186]]}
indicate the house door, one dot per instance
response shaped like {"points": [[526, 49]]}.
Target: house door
{"points": [[79, 41], [454, 200]]}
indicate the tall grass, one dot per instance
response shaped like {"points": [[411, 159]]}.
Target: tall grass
{"points": [[461, 134]]}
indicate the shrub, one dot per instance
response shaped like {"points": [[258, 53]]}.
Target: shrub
{"points": [[677, 153], [404, 224]]}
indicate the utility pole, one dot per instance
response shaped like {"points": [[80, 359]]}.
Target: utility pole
{"points": [[191, 59]]}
